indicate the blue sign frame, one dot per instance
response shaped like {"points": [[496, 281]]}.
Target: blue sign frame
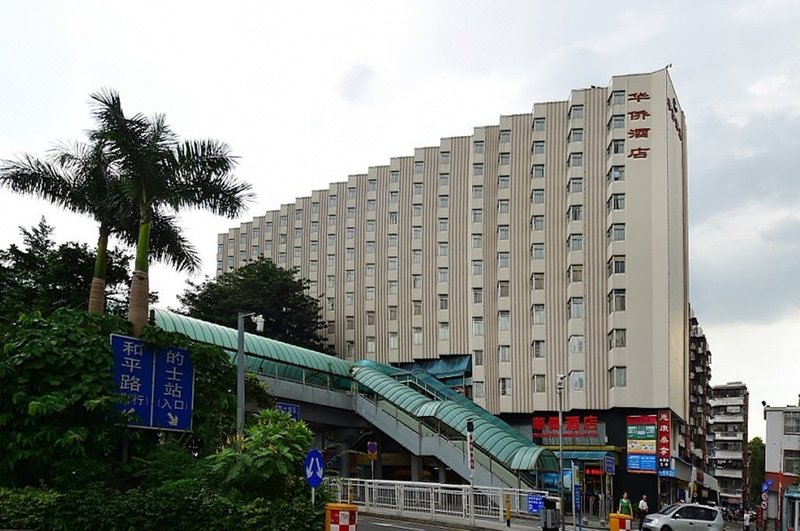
{"points": [[314, 468], [158, 382], [610, 465], [535, 503], [292, 409]]}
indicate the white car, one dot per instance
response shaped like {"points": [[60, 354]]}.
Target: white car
{"points": [[685, 517]]}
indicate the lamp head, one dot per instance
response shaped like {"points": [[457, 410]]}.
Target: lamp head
{"points": [[259, 321]]}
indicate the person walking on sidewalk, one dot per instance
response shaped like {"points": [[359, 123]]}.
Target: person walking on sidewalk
{"points": [[746, 520], [643, 510], [625, 505]]}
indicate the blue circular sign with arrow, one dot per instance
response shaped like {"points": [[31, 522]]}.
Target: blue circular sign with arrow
{"points": [[314, 467]]}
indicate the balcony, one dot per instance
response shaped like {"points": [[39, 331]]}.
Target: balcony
{"points": [[719, 419], [729, 435], [727, 454], [727, 401], [727, 473]]}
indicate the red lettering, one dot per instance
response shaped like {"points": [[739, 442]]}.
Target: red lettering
{"points": [[590, 423], [537, 423], [638, 96], [638, 115], [642, 132], [638, 153], [573, 423], [552, 424]]}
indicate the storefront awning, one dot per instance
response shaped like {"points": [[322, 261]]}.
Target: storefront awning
{"points": [[584, 455]]}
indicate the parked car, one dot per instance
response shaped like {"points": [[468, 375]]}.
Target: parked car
{"points": [[685, 517]]}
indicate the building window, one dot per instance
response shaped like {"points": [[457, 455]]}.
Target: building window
{"points": [[370, 270], [575, 185], [503, 288], [503, 321], [575, 135], [477, 357], [416, 335], [791, 461], [537, 196], [297, 253], [416, 233], [477, 169], [444, 302], [616, 233], [477, 241], [477, 295], [391, 287], [539, 383], [394, 196], [575, 308], [416, 256], [538, 314], [417, 190], [616, 265], [617, 97], [268, 226], [371, 204], [419, 166], [369, 247], [576, 344], [538, 347], [283, 220], [477, 215], [392, 239], [616, 202], [370, 293], [505, 159], [575, 112], [537, 281], [391, 263], [350, 254], [416, 209], [394, 176], [537, 171], [618, 377], [372, 185], [417, 307], [350, 233], [505, 386], [505, 136], [444, 201], [331, 304], [538, 148], [538, 124], [577, 380], [575, 160], [477, 267], [281, 258], [444, 331], [393, 218], [478, 147], [503, 206], [416, 281], [616, 147], [575, 242], [442, 224], [351, 212], [503, 232], [537, 222], [616, 300], [315, 226], [313, 246], [477, 326], [616, 173], [444, 179], [478, 390], [575, 273], [370, 225], [282, 239], [504, 353], [393, 341], [443, 274], [504, 182], [349, 275], [617, 338], [331, 240], [267, 246], [230, 261], [537, 251], [444, 157], [351, 193], [370, 318], [791, 423], [503, 259], [442, 248], [575, 213], [617, 122], [331, 328], [477, 192], [393, 313]]}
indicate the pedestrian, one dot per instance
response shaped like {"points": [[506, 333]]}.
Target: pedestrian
{"points": [[625, 505], [643, 510], [746, 520]]}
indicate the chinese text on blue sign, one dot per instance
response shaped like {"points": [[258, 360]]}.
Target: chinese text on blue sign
{"points": [[535, 503], [158, 382]]}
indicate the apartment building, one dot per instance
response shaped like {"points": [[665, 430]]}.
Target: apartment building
{"points": [[782, 456], [551, 243], [698, 435], [728, 439]]}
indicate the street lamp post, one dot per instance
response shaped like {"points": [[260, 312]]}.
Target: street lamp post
{"points": [[560, 389], [259, 320]]}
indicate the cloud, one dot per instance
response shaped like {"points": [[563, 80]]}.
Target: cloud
{"points": [[356, 84]]}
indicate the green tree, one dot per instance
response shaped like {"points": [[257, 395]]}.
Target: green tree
{"points": [[756, 451], [160, 172], [262, 287], [40, 275], [83, 178]]}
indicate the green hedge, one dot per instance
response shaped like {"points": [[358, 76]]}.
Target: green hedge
{"points": [[177, 505]]}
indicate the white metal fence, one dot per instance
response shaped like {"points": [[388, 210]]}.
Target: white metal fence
{"points": [[441, 502]]}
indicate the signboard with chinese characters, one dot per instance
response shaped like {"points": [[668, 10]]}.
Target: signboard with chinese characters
{"points": [[639, 132], [158, 382], [287, 407], [577, 429], [663, 444], [641, 444]]}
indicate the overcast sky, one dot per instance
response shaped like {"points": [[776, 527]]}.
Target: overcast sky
{"points": [[307, 93]]}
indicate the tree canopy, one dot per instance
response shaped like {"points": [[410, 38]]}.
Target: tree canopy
{"points": [[756, 450], [290, 314]]}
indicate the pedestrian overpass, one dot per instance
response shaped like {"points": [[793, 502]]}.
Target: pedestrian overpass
{"points": [[423, 415]]}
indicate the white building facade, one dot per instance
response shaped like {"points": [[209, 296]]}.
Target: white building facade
{"points": [[782, 454]]}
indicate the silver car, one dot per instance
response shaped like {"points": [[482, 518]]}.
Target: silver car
{"points": [[685, 517]]}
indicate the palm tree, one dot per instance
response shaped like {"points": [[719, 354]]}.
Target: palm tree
{"points": [[160, 172], [82, 178]]}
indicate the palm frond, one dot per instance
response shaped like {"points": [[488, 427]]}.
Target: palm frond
{"points": [[31, 176], [168, 245]]}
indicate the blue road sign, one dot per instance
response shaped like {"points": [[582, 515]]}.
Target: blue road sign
{"points": [[576, 493], [610, 465], [314, 467], [535, 503], [158, 382], [642, 462], [291, 409], [766, 485]]}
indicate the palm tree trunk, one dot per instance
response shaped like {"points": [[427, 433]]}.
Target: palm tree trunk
{"points": [[97, 293], [139, 295]]}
